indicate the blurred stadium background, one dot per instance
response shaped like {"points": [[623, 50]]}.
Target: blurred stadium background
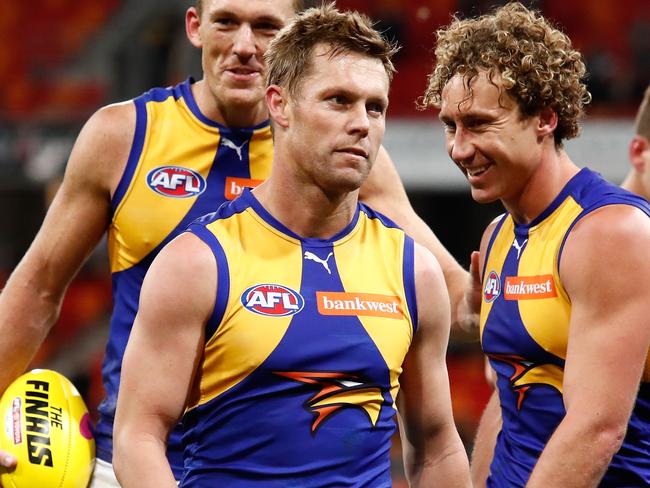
{"points": [[60, 60]]}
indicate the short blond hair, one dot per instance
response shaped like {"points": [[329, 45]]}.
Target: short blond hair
{"points": [[642, 122], [288, 57], [536, 62], [298, 6]]}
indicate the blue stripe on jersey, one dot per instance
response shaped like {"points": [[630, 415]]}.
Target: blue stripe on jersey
{"points": [[223, 278], [494, 235], [229, 162], [155, 95], [409, 280], [373, 214], [134, 154]]}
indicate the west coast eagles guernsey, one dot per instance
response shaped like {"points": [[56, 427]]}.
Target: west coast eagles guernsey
{"points": [[303, 353], [524, 331], [181, 166]]}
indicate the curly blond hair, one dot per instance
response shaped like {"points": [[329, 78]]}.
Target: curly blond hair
{"points": [[536, 63]]}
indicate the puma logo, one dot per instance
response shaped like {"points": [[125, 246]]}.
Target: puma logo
{"points": [[310, 256], [516, 245], [231, 145]]}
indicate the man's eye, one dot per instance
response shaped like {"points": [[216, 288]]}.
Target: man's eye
{"points": [[224, 22], [449, 126], [376, 108], [267, 26]]}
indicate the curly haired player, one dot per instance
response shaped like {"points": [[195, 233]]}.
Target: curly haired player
{"points": [[566, 279]]}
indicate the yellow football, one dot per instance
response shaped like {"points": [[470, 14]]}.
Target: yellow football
{"points": [[48, 429]]}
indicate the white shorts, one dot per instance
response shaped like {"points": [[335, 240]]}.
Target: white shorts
{"points": [[103, 476]]}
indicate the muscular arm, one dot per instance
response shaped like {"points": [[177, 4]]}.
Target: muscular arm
{"points": [[162, 354], [485, 441], [433, 452], [383, 191], [490, 423], [75, 222], [609, 338]]}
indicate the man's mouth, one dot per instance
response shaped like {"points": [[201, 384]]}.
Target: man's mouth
{"points": [[243, 73], [243, 70], [477, 171], [357, 151]]}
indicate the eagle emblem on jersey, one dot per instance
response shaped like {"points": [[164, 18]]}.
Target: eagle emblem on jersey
{"points": [[528, 374], [338, 391]]}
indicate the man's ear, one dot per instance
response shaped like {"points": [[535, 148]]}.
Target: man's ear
{"points": [[277, 103], [192, 24], [638, 145], [547, 122]]}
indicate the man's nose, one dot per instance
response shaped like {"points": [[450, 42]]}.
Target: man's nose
{"points": [[244, 44]]}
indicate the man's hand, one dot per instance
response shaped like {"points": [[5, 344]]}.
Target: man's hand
{"points": [[7, 461], [470, 306]]}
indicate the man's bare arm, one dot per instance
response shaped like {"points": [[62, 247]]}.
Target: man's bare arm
{"points": [[79, 215], [160, 360], [490, 424], [485, 441], [433, 452], [609, 337], [75, 222]]}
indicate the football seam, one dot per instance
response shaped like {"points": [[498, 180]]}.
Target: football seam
{"points": [[69, 444]]}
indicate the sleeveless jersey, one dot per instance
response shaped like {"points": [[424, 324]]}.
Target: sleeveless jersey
{"points": [[524, 331], [303, 353], [181, 166]]}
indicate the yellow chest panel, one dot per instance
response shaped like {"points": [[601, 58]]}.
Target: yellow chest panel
{"points": [[180, 167]]}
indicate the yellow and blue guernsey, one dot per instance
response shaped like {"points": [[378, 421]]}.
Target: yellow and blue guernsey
{"points": [[525, 318], [303, 353], [181, 166]]}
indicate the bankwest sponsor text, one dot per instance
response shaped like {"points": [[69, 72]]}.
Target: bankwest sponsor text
{"points": [[367, 304], [529, 287]]}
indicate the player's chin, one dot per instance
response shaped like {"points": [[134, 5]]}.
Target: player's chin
{"points": [[250, 94], [348, 180], [352, 163], [481, 195]]}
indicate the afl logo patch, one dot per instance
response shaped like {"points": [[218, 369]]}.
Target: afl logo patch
{"points": [[272, 300], [176, 182], [492, 287]]}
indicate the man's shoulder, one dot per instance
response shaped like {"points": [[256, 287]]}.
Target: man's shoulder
{"points": [[617, 218], [607, 237], [102, 147], [592, 192], [113, 116], [373, 214]]}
